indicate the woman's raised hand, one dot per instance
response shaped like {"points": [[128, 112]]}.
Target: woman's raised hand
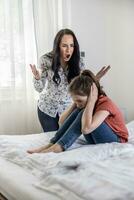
{"points": [[102, 72], [35, 72]]}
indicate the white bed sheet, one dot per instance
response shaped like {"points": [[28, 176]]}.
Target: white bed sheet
{"points": [[104, 171], [16, 183]]}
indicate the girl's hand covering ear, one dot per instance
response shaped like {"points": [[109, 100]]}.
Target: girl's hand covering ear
{"points": [[93, 94]]}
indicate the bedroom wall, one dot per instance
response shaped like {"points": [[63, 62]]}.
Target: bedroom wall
{"points": [[106, 33]]}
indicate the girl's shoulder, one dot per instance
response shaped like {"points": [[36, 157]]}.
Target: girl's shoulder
{"points": [[105, 103], [104, 99]]}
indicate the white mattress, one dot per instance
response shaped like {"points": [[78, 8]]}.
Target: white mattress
{"points": [[104, 171], [16, 183]]}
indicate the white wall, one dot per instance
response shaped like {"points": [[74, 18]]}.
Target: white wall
{"points": [[105, 29]]}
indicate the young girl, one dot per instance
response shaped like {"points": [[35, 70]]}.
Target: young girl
{"points": [[92, 114]]}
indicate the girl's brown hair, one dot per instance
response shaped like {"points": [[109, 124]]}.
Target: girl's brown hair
{"points": [[81, 85]]}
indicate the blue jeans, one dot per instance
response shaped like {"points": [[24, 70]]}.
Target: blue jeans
{"points": [[48, 123], [71, 130]]}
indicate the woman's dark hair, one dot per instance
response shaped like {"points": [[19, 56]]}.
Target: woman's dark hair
{"points": [[81, 85], [73, 63]]}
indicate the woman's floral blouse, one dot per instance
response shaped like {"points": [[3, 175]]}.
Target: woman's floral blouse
{"points": [[53, 99]]}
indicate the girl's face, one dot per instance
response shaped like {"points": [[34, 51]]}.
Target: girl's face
{"points": [[80, 101], [66, 48]]}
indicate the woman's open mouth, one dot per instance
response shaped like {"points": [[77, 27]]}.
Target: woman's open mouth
{"points": [[67, 56]]}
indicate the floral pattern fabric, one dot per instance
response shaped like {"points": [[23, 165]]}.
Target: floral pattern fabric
{"points": [[53, 98]]}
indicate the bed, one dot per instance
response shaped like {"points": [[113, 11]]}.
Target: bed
{"points": [[88, 172]]}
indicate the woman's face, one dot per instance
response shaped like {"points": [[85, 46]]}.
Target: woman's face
{"points": [[80, 101], [66, 48]]}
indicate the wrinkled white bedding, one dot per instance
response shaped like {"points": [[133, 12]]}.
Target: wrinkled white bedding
{"points": [[104, 171]]}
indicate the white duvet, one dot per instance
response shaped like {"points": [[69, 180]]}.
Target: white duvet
{"points": [[90, 172]]}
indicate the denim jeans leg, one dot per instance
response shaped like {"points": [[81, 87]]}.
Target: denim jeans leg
{"points": [[102, 134], [72, 133], [47, 122], [65, 126]]}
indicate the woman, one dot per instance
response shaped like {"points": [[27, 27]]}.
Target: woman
{"points": [[92, 114], [57, 69]]}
